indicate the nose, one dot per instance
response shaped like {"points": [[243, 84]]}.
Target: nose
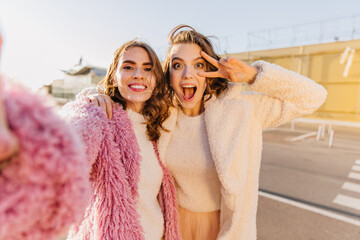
{"points": [[138, 74], [187, 73]]}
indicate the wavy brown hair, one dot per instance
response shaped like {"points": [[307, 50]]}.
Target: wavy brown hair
{"points": [[214, 85], [156, 109]]}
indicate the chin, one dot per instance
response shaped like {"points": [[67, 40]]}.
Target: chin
{"points": [[188, 105]]}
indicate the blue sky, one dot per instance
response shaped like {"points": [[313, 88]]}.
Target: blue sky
{"points": [[41, 37]]}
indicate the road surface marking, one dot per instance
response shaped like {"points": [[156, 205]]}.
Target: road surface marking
{"points": [[351, 187], [354, 175], [311, 208], [284, 130], [301, 137], [347, 201], [356, 168]]}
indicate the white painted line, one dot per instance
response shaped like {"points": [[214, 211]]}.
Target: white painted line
{"points": [[311, 208], [333, 122], [301, 137], [347, 201], [354, 175], [351, 187], [357, 161], [270, 129], [285, 130], [356, 168]]}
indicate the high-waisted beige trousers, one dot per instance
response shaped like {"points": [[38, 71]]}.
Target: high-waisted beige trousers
{"points": [[199, 225]]}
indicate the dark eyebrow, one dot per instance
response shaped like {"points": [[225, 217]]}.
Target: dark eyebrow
{"points": [[176, 58], [199, 58], [196, 59], [132, 62], [128, 61]]}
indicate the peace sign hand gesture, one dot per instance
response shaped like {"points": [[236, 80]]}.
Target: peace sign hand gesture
{"points": [[230, 68]]}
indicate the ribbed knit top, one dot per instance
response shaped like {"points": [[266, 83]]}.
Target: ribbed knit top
{"points": [[189, 160]]}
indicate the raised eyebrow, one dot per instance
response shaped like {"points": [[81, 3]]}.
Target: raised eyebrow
{"points": [[176, 58], [199, 58], [180, 59], [147, 64]]}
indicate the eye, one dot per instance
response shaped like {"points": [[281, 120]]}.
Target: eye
{"points": [[127, 67], [199, 65], [149, 69], [177, 66]]}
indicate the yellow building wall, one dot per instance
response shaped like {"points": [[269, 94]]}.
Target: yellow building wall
{"points": [[321, 62]]}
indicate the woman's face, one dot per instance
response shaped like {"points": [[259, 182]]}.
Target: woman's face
{"points": [[135, 78], [186, 63]]}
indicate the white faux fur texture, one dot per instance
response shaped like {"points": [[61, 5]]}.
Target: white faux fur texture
{"points": [[234, 123]]}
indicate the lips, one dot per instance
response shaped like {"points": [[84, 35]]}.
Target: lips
{"points": [[137, 87], [189, 91]]}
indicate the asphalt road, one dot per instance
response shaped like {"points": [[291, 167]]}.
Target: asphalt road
{"points": [[320, 186]]}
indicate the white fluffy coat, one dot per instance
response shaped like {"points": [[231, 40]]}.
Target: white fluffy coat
{"points": [[234, 123]]}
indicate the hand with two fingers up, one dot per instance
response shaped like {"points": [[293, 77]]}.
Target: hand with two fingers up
{"points": [[230, 68]]}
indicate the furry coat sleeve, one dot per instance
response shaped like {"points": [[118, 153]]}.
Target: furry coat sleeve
{"points": [[280, 95], [114, 155], [277, 96], [44, 188], [89, 122]]}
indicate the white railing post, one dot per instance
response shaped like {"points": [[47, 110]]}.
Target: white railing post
{"points": [[318, 135], [292, 125], [331, 138]]}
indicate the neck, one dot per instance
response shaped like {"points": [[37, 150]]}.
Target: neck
{"points": [[136, 107], [192, 111]]}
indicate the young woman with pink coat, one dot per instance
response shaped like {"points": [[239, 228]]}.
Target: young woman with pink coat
{"points": [[133, 194], [43, 179], [214, 140]]}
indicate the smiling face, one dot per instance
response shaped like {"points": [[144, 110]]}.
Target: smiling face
{"points": [[134, 77], [189, 88]]}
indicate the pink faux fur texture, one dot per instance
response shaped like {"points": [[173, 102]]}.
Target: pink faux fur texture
{"points": [[44, 189], [168, 202], [114, 153]]}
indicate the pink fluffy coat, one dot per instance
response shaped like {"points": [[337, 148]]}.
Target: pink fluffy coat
{"points": [[44, 189], [113, 152]]}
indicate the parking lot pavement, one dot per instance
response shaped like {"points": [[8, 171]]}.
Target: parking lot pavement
{"points": [[303, 170], [281, 221]]}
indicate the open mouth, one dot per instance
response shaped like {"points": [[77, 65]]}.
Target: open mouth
{"points": [[189, 92], [137, 87]]}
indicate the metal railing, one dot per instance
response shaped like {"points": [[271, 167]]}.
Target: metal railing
{"points": [[331, 30]]}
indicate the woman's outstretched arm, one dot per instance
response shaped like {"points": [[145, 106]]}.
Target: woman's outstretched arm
{"points": [[278, 95], [44, 188]]}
